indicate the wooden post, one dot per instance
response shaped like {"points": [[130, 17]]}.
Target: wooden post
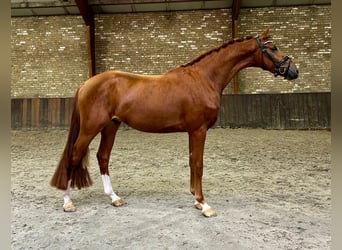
{"points": [[90, 60], [88, 17], [236, 77], [235, 33]]}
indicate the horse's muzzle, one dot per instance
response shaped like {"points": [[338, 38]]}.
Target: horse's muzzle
{"points": [[292, 74]]}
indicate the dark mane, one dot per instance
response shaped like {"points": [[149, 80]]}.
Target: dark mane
{"points": [[200, 57]]}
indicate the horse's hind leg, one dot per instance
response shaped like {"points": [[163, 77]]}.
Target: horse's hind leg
{"points": [[80, 153], [107, 140]]}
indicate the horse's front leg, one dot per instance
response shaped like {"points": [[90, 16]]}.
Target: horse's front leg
{"points": [[196, 150], [107, 140]]}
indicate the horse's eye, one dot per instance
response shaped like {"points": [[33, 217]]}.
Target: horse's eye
{"points": [[274, 48]]}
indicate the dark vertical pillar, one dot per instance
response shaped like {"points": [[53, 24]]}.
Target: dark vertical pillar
{"points": [[88, 17], [235, 33]]}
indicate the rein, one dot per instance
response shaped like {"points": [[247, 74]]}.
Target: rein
{"points": [[278, 65]]}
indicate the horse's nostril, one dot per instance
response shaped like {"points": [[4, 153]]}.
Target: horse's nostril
{"points": [[296, 75]]}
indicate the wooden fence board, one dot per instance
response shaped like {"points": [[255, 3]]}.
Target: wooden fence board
{"points": [[16, 113], [24, 112], [35, 105], [61, 113], [43, 113]]}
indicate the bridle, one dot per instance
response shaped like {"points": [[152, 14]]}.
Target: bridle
{"points": [[279, 68]]}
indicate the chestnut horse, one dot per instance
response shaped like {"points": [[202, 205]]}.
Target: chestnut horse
{"points": [[185, 99]]}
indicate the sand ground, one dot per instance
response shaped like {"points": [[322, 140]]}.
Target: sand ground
{"points": [[271, 190]]}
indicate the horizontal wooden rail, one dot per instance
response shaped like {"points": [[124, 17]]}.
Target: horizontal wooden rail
{"points": [[270, 111]]}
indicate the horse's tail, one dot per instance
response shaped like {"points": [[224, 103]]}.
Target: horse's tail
{"points": [[79, 174]]}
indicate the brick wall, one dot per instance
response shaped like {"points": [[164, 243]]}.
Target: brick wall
{"points": [[153, 43], [49, 53], [48, 56]]}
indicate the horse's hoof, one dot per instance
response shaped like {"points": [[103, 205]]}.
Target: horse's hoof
{"points": [[209, 213], [69, 207], [118, 203], [198, 206]]}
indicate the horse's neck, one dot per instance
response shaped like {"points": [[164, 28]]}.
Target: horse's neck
{"points": [[221, 66]]}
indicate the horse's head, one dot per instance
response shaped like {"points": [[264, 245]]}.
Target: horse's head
{"points": [[274, 60]]}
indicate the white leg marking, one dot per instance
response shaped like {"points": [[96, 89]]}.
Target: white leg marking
{"points": [[68, 206], [107, 186], [67, 199], [204, 206]]}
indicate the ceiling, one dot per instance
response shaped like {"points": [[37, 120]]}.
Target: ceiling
{"points": [[69, 7]]}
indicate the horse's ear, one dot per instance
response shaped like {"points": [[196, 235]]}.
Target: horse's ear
{"points": [[264, 34]]}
